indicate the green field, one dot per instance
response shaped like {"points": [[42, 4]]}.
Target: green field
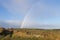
{"points": [[33, 34]]}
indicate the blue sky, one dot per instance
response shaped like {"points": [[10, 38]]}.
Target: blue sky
{"points": [[31, 12]]}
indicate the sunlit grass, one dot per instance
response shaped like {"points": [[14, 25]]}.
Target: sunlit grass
{"points": [[33, 34]]}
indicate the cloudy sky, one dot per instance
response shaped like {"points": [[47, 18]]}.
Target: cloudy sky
{"points": [[31, 13]]}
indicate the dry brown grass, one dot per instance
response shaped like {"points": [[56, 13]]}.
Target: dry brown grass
{"points": [[36, 33], [45, 34]]}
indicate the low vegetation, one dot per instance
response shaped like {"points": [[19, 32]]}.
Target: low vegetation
{"points": [[32, 34]]}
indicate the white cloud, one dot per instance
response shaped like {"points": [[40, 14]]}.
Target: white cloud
{"points": [[13, 22], [18, 6]]}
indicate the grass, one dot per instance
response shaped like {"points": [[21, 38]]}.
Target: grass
{"points": [[33, 34]]}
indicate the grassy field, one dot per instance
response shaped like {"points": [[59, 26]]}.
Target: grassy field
{"points": [[33, 34]]}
